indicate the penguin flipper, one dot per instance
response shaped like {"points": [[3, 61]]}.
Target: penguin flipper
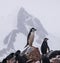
{"points": [[26, 44]]}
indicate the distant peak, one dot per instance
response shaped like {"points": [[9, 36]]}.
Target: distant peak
{"points": [[23, 10]]}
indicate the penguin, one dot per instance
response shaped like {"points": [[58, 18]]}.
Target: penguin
{"points": [[45, 47], [30, 37]]}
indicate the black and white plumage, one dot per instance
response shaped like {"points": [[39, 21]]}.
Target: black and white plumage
{"points": [[44, 46], [30, 37]]}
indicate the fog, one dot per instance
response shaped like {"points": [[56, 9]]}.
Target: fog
{"points": [[47, 12]]}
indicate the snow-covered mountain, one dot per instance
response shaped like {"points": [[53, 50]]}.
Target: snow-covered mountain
{"points": [[16, 39]]}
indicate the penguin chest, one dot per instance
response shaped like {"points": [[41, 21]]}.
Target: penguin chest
{"points": [[31, 38]]}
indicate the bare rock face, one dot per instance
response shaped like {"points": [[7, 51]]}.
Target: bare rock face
{"points": [[34, 55]]}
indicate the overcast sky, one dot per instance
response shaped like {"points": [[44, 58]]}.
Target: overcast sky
{"points": [[47, 11]]}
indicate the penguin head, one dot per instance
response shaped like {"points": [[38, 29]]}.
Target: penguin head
{"points": [[45, 39], [33, 30], [17, 52]]}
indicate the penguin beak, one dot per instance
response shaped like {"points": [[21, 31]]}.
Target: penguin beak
{"points": [[35, 29]]}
